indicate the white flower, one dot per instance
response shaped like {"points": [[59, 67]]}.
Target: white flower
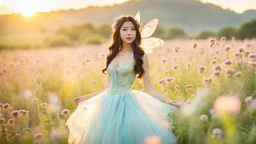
{"points": [[217, 133], [204, 117], [248, 99]]}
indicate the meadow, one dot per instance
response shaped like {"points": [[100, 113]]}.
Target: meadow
{"points": [[216, 77]]}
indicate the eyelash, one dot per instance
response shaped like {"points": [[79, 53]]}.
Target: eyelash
{"points": [[126, 29]]}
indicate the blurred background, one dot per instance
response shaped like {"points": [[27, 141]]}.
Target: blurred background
{"points": [[52, 51], [53, 23]]}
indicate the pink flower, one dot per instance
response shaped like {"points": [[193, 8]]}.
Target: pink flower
{"points": [[216, 73], [253, 103], [223, 38], [38, 136], [175, 67], [201, 69], [252, 56], [238, 74], [162, 81], [204, 117], [248, 99], [227, 62], [169, 79], [15, 113], [217, 67], [65, 112], [227, 48], [163, 60], [212, 111], [2, 120], [6, 105], [229, 71], [217, 133]]}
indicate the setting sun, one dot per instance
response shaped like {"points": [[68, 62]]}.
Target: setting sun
{"points": [[29, 7]]}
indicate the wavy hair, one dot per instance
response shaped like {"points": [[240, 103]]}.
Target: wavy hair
{"points": [[117, 43]]}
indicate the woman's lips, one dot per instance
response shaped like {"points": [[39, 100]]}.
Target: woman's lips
{"points": [[129, 38]]}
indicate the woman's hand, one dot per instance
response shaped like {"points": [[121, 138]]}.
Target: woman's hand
{"points": [[78, 99], [170, 102]]}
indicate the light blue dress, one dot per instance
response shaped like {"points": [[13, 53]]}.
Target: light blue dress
{"points": [[120, 115]]}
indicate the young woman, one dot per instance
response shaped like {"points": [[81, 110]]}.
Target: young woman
{"points": [[119, 115]]}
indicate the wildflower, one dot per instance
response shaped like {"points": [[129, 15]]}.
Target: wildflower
{"points": [[213, 62], [252, 56], [241, 50], [227, 62], [2, 120], [229, 71], [35, 100], [208, 80], [216, 73], [201, 69], [169, 79], [227, 49], [163, 60], [6, 105], [65, 112], [212, 111], [177, 49], [175, 67], [217, 67], [223, 38], [238, 74], [176, 86], [217, 133], [38, 136], [15, 113], [162, 81], [43, 104], [10, 121], [248, 99], [188, 86], [204, 117], [253, 103]]}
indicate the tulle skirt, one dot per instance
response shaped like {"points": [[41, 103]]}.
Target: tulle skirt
{"points": [[125, 118]]}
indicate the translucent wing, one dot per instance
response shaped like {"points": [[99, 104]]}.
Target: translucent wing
{"points": [[150, 43], [149, 28], [137, 16]]}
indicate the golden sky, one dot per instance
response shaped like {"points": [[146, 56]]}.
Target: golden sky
{"points": [[29, 7]]}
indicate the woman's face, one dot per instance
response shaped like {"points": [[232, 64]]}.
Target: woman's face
{"points": [[128, 32]]}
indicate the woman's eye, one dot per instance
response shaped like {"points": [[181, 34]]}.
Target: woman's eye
{"points": [[133, 29], [124, 29]]}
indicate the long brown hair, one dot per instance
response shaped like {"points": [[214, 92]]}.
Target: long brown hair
{"points": [[117, 43]]}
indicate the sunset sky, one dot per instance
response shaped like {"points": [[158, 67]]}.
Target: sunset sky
{"points": [[29, 7]]}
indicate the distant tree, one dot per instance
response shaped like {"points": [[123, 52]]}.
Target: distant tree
{"points": [[76, 32], [175, 32], [159, 32], [104, 30], [228, 32], [205, 34], [247, 30]]}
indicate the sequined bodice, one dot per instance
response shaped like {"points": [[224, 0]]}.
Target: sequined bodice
{"points": [[121, 77]]}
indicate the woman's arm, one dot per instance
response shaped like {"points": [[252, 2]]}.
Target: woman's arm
{"points": [[147, 84], [88, 96]]}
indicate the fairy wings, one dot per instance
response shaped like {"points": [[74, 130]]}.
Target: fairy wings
{"points": [[149, 43]]}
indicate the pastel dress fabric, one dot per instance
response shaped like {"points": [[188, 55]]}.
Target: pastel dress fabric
{"points": [[120, 115]]}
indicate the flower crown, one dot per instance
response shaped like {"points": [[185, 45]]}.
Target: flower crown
{"points": [[120, 18]]}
